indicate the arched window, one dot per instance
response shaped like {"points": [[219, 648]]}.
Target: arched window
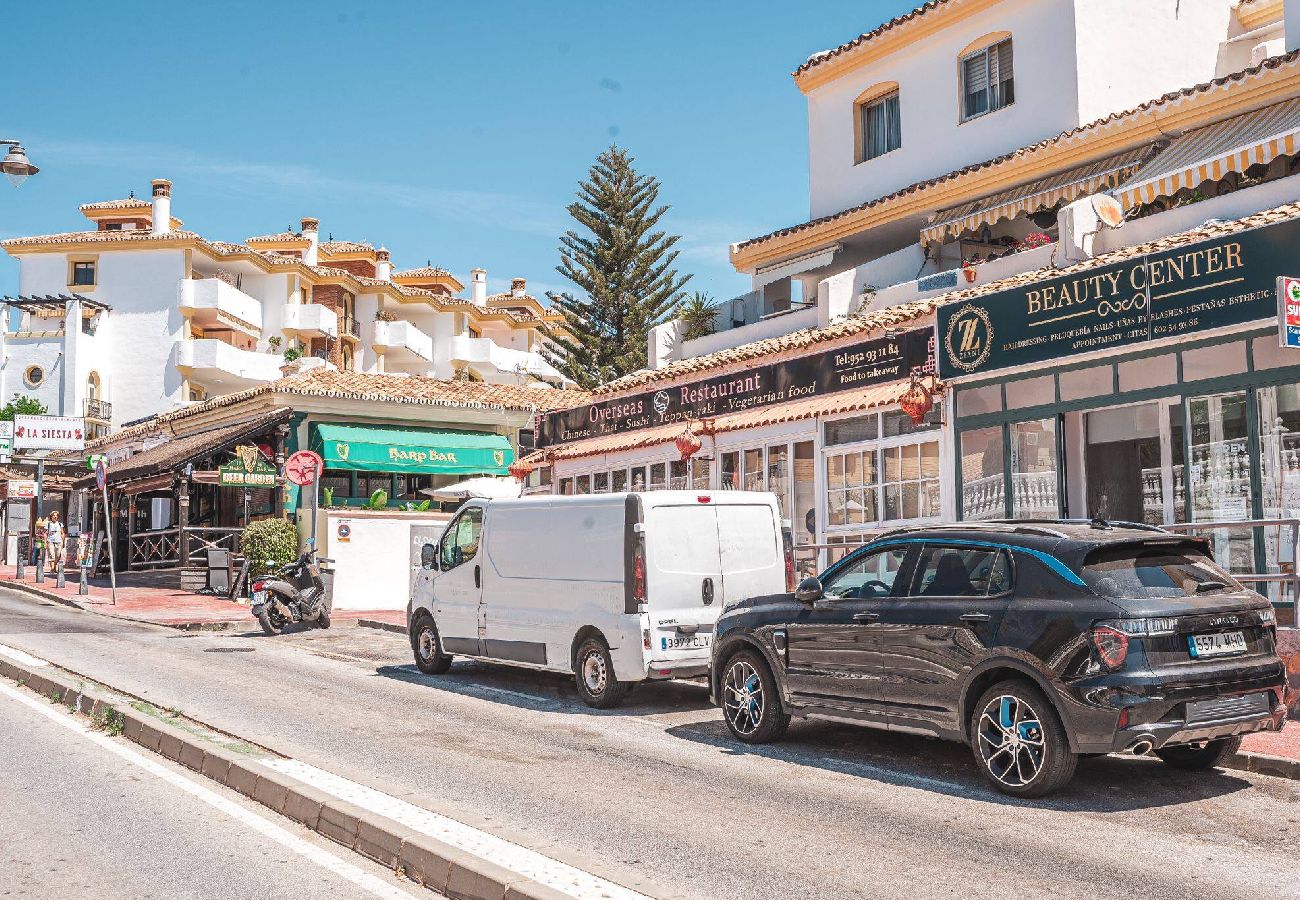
{"points": [[92, 386], [345, 358], [985, 72], [877, 124]]}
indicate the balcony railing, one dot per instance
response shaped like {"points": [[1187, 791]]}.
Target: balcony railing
{"points": [[348, 326], [100, 410]]}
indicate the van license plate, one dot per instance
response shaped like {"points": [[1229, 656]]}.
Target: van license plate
{"points": [[1224, 643], [686, 642]]}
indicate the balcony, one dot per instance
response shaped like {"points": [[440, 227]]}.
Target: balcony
{"points": [[98, 410], [403, 343], [311, 320], [349, 328], [491, 362], [223, 368], [211, 302]]}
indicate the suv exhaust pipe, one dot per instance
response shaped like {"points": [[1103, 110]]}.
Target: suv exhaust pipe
{"points": [[1144, 744]]}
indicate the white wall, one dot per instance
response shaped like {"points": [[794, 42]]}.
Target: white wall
{"points": [[1130, 52], [935, 141], [1291, 17], [372, 565]]}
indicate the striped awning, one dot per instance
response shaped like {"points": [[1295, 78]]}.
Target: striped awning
{"points": [[1210, 153], [1042, 194]]}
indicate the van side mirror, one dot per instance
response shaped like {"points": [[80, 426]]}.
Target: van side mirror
{"points": [[809, 590], [429, 556]]}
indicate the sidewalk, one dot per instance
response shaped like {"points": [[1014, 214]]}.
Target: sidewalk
{"points": [[159, 605]]}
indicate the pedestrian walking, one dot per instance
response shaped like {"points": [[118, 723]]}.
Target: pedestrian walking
{"points": [[54, 535]]}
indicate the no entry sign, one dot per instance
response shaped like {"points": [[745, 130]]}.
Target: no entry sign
{"points": [[303, 468]]}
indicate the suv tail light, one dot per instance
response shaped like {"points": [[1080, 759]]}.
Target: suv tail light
{"points": [[1111, 645], [638, 569]]}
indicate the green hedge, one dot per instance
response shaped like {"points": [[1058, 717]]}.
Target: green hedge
{"points": [[269, 544]]}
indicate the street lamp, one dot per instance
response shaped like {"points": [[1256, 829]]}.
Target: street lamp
{"points": [[16, 166]]}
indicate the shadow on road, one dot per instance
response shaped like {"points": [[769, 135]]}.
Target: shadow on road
{"points": [[1104, 784]]}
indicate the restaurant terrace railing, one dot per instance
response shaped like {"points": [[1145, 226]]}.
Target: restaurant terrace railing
{"points": [[161, 548]]}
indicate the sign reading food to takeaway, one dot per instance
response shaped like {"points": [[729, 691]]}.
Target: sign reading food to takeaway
{"points": [[1188, 289]]}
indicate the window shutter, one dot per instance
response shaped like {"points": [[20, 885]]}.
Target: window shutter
{"points": [[976, 73], [1004, 61]]}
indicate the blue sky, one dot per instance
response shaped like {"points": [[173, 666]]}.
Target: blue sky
{"points": [[455, 132]]}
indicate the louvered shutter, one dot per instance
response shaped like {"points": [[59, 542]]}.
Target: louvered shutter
{"points": [[976, 77]]}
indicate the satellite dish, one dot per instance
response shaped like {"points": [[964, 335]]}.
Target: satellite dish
{"points": [[1108, 210]]}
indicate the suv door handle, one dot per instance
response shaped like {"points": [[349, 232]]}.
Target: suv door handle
{"points": [[866, 617], [976, 617]]}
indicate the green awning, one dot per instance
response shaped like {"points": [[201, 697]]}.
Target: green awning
{"points": [[417, 451]]}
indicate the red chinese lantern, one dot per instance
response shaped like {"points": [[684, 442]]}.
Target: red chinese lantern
{"points": [[688, 444], [917, 400], [521, 469]]}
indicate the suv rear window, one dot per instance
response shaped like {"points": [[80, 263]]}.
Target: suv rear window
{"points": [[1154, 572]]}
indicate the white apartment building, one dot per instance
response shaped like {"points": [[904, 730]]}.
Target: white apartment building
{"points": [[917, 126], [138, 316]]}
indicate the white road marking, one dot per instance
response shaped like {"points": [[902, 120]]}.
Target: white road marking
{"points": [[554, 874], [19, 656], [371, 884]]}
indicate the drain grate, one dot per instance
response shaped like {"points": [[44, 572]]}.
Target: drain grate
{"points": [[229, 649]]}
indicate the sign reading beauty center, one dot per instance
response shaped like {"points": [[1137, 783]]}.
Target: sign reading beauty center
{"points": [[1188, 289], [858, 365], [49, 433]]}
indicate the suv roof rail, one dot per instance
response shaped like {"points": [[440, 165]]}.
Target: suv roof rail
{"points": [[1017, 526], [1096, 522]]}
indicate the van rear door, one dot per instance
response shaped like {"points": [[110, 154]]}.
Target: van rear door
{"points": [[683, 579], [752, 557]]}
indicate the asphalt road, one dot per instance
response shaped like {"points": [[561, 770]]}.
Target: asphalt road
{"points": [[82, 819], [657, 789]]}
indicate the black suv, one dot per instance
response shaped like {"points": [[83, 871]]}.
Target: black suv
{"points": [[1035, 643]]}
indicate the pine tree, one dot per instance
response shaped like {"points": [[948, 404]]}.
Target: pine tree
{"points": [[624, 268]]}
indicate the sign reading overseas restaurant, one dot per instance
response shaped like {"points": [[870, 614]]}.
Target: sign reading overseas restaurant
{"points": [[877, 361], [1191, 288]]}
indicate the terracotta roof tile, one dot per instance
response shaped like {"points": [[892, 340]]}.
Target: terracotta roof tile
{"points": [[818, 58], [91, 237], [279, 238], [1051, 143], [825, 405], [422, 272], [329, 247], [129, 203], [879, 320]]}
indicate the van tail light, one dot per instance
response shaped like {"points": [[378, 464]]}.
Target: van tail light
{"points": [[789, 566], [1111, 645], [645, 638], [638, 570]]}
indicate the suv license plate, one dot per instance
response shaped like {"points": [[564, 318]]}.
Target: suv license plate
{"points": [[1224, 643]]}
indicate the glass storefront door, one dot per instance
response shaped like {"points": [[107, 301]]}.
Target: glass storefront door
{"points": [[1218, 474], [1125, 471]]}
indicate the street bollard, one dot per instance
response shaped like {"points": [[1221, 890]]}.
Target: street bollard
{"points": [[60, 578], [40, 565], [22, 564], [84, 587]]}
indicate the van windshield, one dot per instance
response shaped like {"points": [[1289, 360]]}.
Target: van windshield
{"points": [[1154, 573]]}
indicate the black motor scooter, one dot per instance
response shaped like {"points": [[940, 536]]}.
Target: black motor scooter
{"points": [[296, 592]]}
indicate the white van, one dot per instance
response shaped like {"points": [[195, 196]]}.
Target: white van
{"points": [[614, 588]]}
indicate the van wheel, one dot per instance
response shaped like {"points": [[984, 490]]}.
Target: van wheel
{"points": [[594, 673], [1019, 741], [751, 702], [429, 657], [1209, 756]]}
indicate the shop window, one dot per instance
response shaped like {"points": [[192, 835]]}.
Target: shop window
{"points": [[911, 480], [1215, 361], [677, 475], [753, 474], [852, 496], [582, 484], [658, 476], [1027, 392], [898, 423], [1148, 372], [979, 400], [600, 483], [730, 471], [1082, 383], [1279, 436], [1219, 475], [851, 431], [700, 469], [339, 483], [566, 486], [1033, 470], [983, 494], [618, 481], [638, 479], [778, 476], [803, 518], [986, 80]]}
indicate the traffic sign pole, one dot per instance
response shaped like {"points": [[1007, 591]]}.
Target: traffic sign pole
{"points": [[101, 478]]}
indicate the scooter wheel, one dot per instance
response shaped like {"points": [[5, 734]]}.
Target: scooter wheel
{"points": [[269, 626], [323, 620]]}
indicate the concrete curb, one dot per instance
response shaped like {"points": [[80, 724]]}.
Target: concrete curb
{"points": [[424, 860], [34, 591], [1266, 764], [382, 626]]}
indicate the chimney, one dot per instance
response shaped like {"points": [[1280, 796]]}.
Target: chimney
{"points": [[310, 227], [517, 286], [383, 264], [162, 206], [478, 286]]}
